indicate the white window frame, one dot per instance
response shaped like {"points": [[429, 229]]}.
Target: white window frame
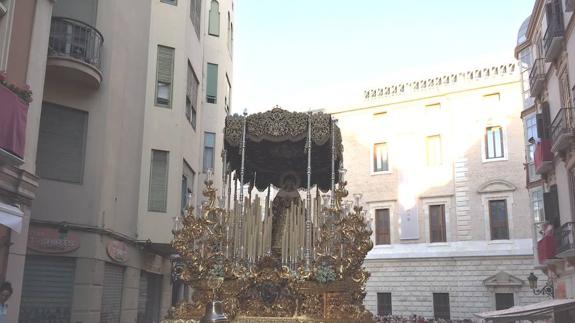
{"points": [[371, 162], [505, 157]]}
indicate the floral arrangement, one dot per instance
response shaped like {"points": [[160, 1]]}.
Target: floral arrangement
{"points": [[23, 93], [325, 274]]}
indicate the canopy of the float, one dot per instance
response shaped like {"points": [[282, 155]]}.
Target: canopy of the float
{"points": [[275, 147]]}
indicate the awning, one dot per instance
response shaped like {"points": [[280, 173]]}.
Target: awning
{"points": [[530, 312], [11, 216]]}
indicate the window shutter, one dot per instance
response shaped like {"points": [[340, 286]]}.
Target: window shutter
{"points": [[437, 226], [551, 206], [382, 227], [195, 14], [165, 64], [539, 118], [212, 83], [157, 200], [190, 175], [61, 143], [546, 133]]}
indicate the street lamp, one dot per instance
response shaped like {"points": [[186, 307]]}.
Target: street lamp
{"points": [[545, 290]]}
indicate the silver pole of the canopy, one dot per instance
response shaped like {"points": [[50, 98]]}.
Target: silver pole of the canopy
{"points": [[333, 163], [224, 177], [242, 171], [307, 251]]}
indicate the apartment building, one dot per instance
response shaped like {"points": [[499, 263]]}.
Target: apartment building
{"points": [[129, 104], [23, 44], [440, 163], [544, 47]]}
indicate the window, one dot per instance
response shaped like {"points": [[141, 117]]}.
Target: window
{"points": [[498, 220], [188, 179], [209, 148], [214, 23], [551, 206], [4, 248], [441, 308], [537, 205], [437, 227], [531, 132], [564, 89], [165, 67], [380, 117], [384, 304], [157, 199], [382, 227], [228, 94], [494, 142], [433, 150], [192, 96], [61, 143], [196, 14], [432, 110], [525, 62], [229, 33], [504, 301], [380, 157], [212, 83], [172, 2]]}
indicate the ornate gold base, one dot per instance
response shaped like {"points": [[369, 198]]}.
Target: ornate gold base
{"points": [[247, 319]]}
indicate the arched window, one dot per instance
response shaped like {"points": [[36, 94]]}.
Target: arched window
{"points": [[214, 23]]}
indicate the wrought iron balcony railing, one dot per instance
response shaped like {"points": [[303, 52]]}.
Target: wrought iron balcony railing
{"points": [[74, 39], [566, 240], [537, 77], [562, 129]]}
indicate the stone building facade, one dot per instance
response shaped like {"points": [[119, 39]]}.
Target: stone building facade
{"points": [[130, 99], [440, 163], [23, 46], [545, 50]]}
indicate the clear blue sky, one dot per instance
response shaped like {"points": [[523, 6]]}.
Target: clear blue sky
{"points": [[303, 54]]}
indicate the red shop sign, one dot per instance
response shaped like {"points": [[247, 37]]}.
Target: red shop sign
{"points": [[118, 251], [50, 240]]}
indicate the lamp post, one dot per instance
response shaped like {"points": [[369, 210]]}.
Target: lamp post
{"points": [[545, 290]]}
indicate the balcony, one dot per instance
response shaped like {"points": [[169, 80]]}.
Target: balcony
{"points": [[13, 116], [537, 77], [566, 240], [74, 52], [543, 156], [546, 246], [562, 129]]}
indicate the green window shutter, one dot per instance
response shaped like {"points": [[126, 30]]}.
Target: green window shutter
{"points": [[158, 195], [165, 70], [212, 83], [61, 143]]}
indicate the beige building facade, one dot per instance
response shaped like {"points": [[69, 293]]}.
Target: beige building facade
{"points": [[544, 47], [440, 164], [127, 118], [23, 44]]}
